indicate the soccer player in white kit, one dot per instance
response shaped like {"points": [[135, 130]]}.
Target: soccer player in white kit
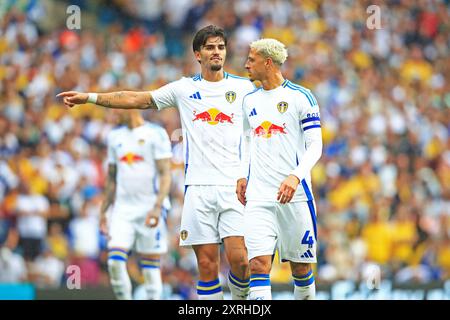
{"points": [[282, 143], [210, 107], [137, 187]]}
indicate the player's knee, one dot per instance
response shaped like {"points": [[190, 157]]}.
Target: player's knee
{"points": [[241, 264], [259, 266], [208, 266], [238, 259]]}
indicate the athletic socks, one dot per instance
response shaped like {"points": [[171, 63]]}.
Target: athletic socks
{"points": [[118, 274], [239, 288], [305, 287], [152, 278], [260, 288], [209, 290]]}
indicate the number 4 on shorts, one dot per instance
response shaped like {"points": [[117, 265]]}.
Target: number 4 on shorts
{"points": [[307, 239]]}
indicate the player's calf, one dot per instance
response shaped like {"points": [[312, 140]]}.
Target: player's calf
{"points": [[239, 274], [208, 287], [208, 268], [239, 288]]}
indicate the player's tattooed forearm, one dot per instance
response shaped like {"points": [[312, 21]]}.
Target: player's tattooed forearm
{"points": [[118, 95], [111, 181], [110, 99], [110, 193], [110, 187], [104, 100]]}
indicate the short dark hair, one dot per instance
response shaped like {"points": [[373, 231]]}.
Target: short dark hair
{"points": [[203, 34]]}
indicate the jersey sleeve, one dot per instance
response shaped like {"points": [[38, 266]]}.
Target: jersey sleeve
{"points": [[163, 148], [245, 144], [111, 152], [309, 111], [310, 124], [166, 96]]}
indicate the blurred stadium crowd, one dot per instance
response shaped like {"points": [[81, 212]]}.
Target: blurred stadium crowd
{"points": [[382, 185]]}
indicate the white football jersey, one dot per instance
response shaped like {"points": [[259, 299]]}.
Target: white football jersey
{"points": [[134, 152], [278, 122], [211, 120]]}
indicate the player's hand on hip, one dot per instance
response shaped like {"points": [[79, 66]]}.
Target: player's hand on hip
{"points": [[152, 219], [287, 189], [71, 98], [241, 187]]}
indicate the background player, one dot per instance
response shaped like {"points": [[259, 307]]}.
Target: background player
{"points": [[283, 142], [210, 110], [137, 186]]}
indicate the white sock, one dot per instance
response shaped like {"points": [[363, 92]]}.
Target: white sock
{"points": [[152, 278], [305, 287], [239, 288], [260, 288], [210, 290], [118, 274]]}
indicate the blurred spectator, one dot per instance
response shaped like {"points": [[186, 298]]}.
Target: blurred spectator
{"points": [[84, 237], [57, 242], [12, 264], [83, 229], [8, 180], [47, 271], [31, 211]]}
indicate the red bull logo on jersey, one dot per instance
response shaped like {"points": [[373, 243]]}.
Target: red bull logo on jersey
{"points": [[131, 158], [267, 129], [213, 116]]}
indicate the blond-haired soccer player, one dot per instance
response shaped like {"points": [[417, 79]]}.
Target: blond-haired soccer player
{"points": [[136, 189], [210, 106], [283, 142]]}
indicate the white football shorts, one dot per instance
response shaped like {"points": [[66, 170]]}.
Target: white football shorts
{"points": [[210, 214], [134, 234], [289, 228]]}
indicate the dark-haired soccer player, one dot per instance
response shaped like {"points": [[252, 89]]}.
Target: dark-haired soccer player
{"points": [[210, 106]]}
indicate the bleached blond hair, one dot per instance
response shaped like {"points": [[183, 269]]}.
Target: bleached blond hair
{"points": [[271, 48]]}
